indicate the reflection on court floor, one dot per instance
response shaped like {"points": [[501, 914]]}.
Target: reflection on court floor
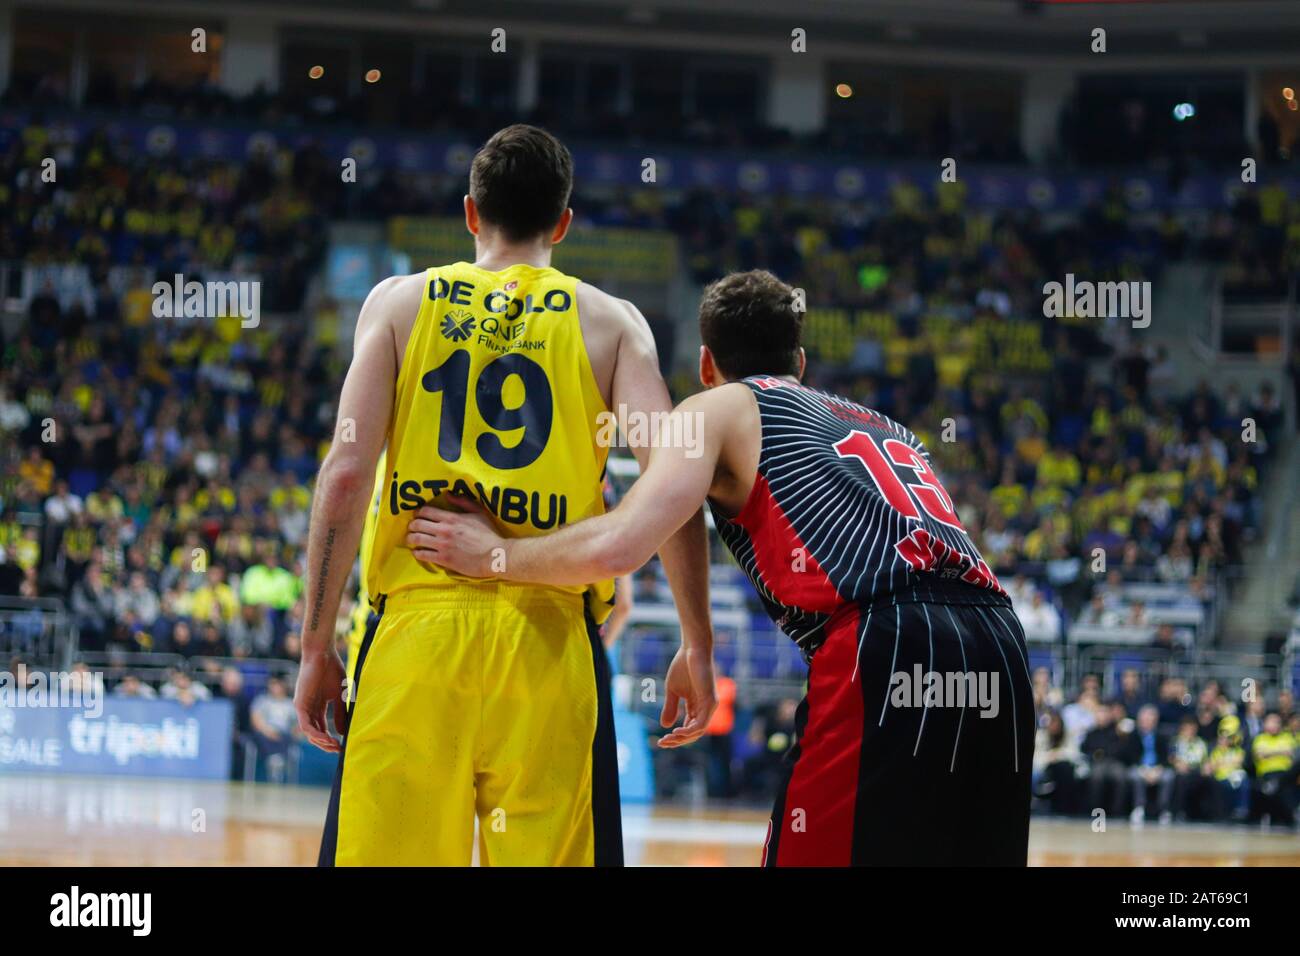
{"points": [[109, 821]]}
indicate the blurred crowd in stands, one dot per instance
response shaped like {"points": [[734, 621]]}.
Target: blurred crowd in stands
{"points": [[105, 207], [160, 481], [1050, 463], [156, 474], [1086, 490], [1169, 753]]}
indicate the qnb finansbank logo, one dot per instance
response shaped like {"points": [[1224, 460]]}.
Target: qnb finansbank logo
{"points": [[179, 299], [79, 690], [960, 689], [1083, 299], [458, 325], [75, 909]]}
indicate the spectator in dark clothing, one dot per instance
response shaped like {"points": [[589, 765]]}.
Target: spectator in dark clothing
{"points": [[719, 730], [231, 688], [1166, 640], [182, 641], [1174, 702], [1134, 367], [1146, 753], [1285, 705], [1105, 748], [1252, 723], [92, 607], [163, 626], [212, 643], [1209, 711], [771, 733], [1269, 413], [11, 575], [1131, 693]]}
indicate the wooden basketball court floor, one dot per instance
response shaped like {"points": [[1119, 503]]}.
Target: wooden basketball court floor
{"points": [[59, 820]]}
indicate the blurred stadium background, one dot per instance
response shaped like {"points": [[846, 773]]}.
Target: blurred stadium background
{"points": [[131, 444]]}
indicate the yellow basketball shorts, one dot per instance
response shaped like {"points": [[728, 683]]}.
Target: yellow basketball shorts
{"points": [[487, 701]]}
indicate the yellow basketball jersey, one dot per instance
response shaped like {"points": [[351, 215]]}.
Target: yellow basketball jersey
{"points": [[496, 402]]}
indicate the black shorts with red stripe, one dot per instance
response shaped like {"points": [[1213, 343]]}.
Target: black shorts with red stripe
{"points": [[915, 739]]}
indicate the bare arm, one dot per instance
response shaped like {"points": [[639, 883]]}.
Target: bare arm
{"points": [[639, 386], [346, 478], [662, 503], [343, 488]]}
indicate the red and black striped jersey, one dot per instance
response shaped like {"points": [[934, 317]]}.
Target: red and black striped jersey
{"points": [[846, 510]]}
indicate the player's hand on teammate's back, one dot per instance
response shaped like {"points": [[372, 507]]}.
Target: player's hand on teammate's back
{"points": [[464, 542], [689, 681], [320, 683]]}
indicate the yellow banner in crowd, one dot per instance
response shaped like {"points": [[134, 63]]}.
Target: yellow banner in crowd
{"points": [[600, 253]]}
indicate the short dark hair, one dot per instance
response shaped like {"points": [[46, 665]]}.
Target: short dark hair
{"points": [[521, 180], [749, 323]]}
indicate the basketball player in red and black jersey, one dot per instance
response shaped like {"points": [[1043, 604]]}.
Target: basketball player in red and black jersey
{"points": [[916, 735]]}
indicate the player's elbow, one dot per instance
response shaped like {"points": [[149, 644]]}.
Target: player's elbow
{"points": [[614, 566], [619, 554], [342, 478]]}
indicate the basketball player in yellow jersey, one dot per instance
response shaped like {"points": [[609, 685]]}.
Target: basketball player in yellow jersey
{"points": [[487, 382]]}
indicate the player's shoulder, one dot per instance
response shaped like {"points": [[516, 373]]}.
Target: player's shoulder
{"points": [[399, 289], [597, 304], [855, 412], [396, 298], [722, 400]]}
